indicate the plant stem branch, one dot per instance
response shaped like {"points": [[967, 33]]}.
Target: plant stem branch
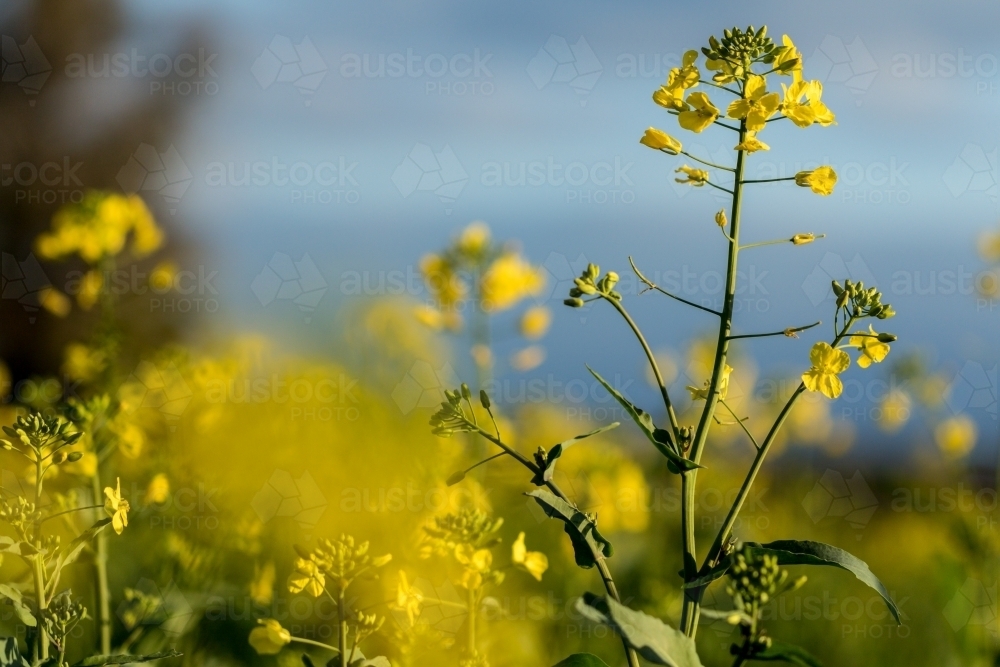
{"points": [[741, 423], [653, 286], [706, 162], [783, 332]]}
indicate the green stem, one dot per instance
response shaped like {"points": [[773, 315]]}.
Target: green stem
{"points": [[471, 638], [301, 640], [783, 332], [653, 286], [342, 635], [101, 574], [706, 162], [692, 598], [767, 180], [39, 566]]}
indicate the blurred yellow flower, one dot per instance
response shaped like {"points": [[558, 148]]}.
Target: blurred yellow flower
{"points": [[872, 351], [482, 355], [98, 226], [989, 246], [408, 598], [307, 577], [437, 319], [269, 637], [895, 411], [812, 110], [90, 289], [131, 439], [696, 177], [54, 301], [702, 114], [163, 277], [533, 562], [158, 490], [956, 436], [701, 394], [535, 322], [660, 140], [262, 586], [442, 280], [82, 363], [116, 507], [474, 239], [827, 364], [508, 280], [528, 359], [820, 181], [756, 105]]}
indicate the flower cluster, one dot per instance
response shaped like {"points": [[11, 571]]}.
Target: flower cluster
{"points": [[589, 285]]}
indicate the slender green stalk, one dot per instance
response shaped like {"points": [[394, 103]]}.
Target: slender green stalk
{"points": [[471, 637], [689, 616], [39, 567], [784, 332], [653, 286], [705, 162], [101, 573], [342, 635]]}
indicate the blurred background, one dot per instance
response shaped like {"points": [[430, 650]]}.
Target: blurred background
{"points": [[313, 167]]}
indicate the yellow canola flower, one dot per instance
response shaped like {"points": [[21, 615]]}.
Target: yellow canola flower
{"points": [[803, 106], [83, 363], [787, 55], [821, 180], [54, 301], [671, 95], [701, 394], [98, 227], [474, 239], [307, 577], [163, 276], [90, 289], [533, 562], [827, 364], [408, 598], [158, 490], [269, 637], [131, 438], [702, 113], [720, 218], [116, 507], [989, 246], [439, 274], [696, 177], [872, 350], [956, 436], [528, 359], [751, 144], [509, 279], [477, 562], [895, 411], [535, 322], [262, 586], [756, 105], [661, 141]]}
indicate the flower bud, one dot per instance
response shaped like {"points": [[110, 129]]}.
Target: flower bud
{"points": [[593, 270], [74, 457], [802, 239], [837, 289], [886, 312], [842, 299], [484, 398], [455, 478], [720, 218], [466, 394], [573, 303], [887, 338], [58, 457], [586, 287]]}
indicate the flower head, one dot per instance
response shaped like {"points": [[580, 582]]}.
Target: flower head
{"points": [[956, 436], [408, 598], [756, 105], [696, 177], [751, 144], [535, 322], [116, 507], [820, 180], [827, 364], [269, 637], [508, 280], [474, 239], [803, 106], [701, 114], [873, 350], [98, 227], [533, 562], [661, 141], [307, 577]]}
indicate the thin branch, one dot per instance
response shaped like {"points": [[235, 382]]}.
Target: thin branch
{"points": [[779, 242], [70, 511], [767, 180], [718, 187], [740, 422], [653, 286], [728, 90], [726, 125], [790, 332], [771, 120], [710, 164]]}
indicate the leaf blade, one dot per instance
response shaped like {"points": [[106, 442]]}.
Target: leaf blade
{"points": [[587, 540]]}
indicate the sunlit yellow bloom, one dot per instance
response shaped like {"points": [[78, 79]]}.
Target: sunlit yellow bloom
{"points": [[408, 598], [269, 637], [956, 436], [82, 363], [533, 562], [446, 286], [989, 246], [474, 238], [98, 227], [720, 218], [725, 71], [811, 110], [262, 586], [479, 560], [158, 489], [702, 113], [756, 105], [527, 359], [116, 507], [820, 181], [787, 55], [535, 322], [751, 144], [671, 95], [660, 140], [54, 301], [872, 350], [895, 411], [131, 439], [307, 577], [701, 393], [509, 279], [482, 355], [827, 364], [90, 289], [696, 177]]}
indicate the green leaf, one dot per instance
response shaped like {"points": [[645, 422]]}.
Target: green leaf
{"points": [[545, 474], [76, 547], [582, 660], [125, 659], [21, 609], [653, 639], [659, 437], [307, 661], [805, 552], [587, 540], [9, 545], [788, 653], [10, 654]]}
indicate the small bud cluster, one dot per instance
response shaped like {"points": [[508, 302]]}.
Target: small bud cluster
{"points": [[61, 616], [469, 526], [343, 558], [37, 437], [589, 285], [862, 302], [450, 416], [743, 47]]}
